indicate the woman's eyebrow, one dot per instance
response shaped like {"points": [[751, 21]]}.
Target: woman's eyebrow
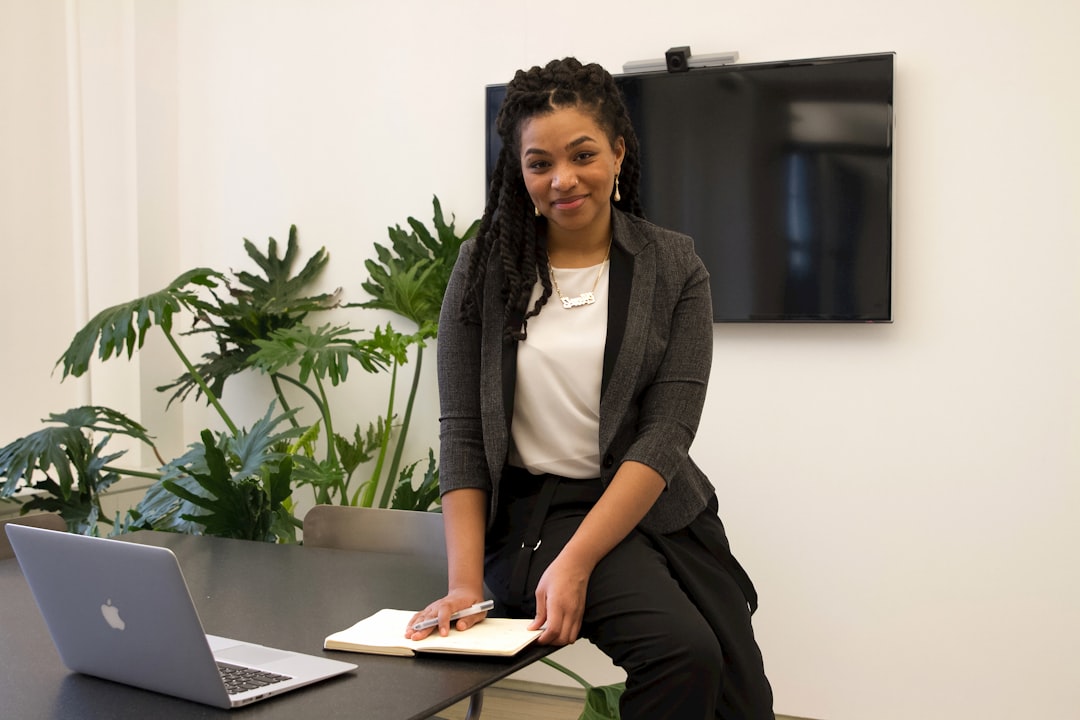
{"points": [[569, 146]]}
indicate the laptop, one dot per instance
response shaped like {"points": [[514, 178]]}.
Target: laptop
{"points": [[122, 611]]}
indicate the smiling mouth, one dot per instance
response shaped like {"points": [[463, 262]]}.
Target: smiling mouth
{"points": [[569, 203]]}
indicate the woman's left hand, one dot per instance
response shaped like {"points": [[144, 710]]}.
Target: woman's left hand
{"points": [[560, 601]]}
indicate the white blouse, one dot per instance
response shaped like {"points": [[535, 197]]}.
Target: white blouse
{"points": [[556, 424]]}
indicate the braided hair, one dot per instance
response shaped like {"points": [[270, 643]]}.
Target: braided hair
{"points": [[510, 233]]}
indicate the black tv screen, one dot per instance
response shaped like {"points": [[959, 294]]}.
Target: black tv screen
{"points": [[782, 174]]}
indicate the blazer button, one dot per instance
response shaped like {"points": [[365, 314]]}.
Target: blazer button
{"points": [[608, 462]]}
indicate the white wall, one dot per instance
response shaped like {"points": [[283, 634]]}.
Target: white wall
{"points": [[904, 495]]}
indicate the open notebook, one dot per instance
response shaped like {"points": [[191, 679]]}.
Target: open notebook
{"points": [[122, 611], [384, 634]]}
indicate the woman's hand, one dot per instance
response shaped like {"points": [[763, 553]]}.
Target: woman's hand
{"points": [[560, 594], [443, 609], [560, 600], [464, 514]]}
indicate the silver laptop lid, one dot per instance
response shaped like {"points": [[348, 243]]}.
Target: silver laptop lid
{"points": [[122, 611], [119, 611]]}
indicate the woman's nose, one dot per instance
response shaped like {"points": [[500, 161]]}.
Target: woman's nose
{"points": [[563, 179]]}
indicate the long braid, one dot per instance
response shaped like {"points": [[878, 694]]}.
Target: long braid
{"points": [[509, 230]]}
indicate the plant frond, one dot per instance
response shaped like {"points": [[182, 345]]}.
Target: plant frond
{"points": [[122, 328], [324, 352], [66, 449], [411, 279], [421, 497]]}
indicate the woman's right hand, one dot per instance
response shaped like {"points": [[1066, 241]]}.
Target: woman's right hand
{"points": [[442, 609]]}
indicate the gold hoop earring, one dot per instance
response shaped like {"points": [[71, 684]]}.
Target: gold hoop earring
{"points": [[618, 197], [536, 211]]}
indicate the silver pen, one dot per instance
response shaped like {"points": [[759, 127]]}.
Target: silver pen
{"points": [[471, 610]]}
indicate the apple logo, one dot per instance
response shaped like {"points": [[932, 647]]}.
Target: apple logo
{"points": [[112, 615]]}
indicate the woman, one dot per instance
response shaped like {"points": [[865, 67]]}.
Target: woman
{"points": [[574, 350]]}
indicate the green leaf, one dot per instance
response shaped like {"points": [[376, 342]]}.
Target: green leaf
{"points": [[238, 507], [602, 702], [102, 419], [411, 279], [123, 327], [162, 509], [279, 484], [65, 449], [354, 453], [324, 352], [78, 504], [257, 307], [324, 476], [231, 465], [279, 292], [422, 497], [395, 345]]}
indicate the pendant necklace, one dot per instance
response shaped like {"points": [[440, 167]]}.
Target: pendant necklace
{"points": [[585, 298]]}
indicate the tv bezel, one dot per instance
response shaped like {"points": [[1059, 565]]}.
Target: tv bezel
{"points": [[495, 92]]}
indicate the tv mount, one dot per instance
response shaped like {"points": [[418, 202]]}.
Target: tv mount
{"points": [[679, 59]]}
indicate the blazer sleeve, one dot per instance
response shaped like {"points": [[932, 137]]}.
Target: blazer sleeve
{"points": [[462, 463], [653, 404], [675, 371]]}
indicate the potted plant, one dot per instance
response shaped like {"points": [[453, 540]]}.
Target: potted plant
{"points": [[239, 481]]}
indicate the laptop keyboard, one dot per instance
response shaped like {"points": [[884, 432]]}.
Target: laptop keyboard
{"points": [[238, 679]]}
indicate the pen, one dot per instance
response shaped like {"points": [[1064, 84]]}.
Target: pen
{"points": [[473, 610]]}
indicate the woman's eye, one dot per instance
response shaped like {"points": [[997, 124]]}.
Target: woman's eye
{"points": [[538, 165], [585, 155]]}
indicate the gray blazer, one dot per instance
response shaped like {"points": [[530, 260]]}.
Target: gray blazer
{"points": [[656, 369]]}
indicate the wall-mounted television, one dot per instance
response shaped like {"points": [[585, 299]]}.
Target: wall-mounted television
{"points": [[782, 174]]}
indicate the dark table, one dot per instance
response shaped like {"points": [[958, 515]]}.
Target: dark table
{"points": [[283, 596]]}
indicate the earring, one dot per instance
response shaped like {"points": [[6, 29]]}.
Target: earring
{"points": [[618, 197], [536, 211]]}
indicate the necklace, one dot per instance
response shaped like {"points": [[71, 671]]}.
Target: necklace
{"points": [[585, 298]]}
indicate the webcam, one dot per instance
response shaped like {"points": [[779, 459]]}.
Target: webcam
{"points": [[678, 59]]}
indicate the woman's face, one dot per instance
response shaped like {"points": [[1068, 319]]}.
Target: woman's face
{"points": [[569, 167]]}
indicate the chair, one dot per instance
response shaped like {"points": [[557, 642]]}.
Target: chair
{"points": [[404, 532], [49, 521]]}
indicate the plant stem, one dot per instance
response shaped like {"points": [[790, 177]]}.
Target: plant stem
{"points": [[133, 473], [395, 463], [201, 383], [370, 488], [303, 387], [567, 671], [275, 380], [324, 406]]}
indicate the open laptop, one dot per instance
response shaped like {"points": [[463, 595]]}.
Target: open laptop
{"points": [[122, 611]]}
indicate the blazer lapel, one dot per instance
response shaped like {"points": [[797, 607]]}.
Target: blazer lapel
{"points": [[620, 277], [633, 278]]}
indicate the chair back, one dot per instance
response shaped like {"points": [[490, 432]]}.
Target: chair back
{"points": [[49, 521], [402, 532]]}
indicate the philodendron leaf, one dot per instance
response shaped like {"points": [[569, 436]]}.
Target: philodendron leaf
{"points": [[253, 307], [59, 449], [102, 419], [411, 279], [122, 328], [237, 507], [241, 459], [353, 453], [602, 702], [43, 450], [324, 352], [421, 497], [280, 293]]}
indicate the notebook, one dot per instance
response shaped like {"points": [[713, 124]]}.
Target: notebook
{"points": [[122, 611], [384, 634]]}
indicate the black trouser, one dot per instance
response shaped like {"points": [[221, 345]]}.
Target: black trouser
{"points": [[672, 610]]}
